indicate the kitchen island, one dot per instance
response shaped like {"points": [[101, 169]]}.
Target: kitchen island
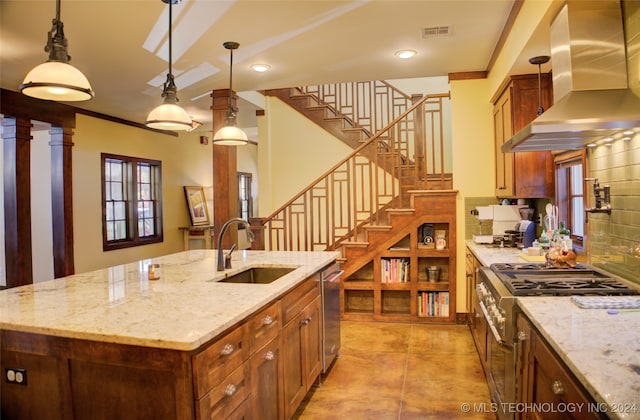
{"points": [[598, 350], [113, 340]]}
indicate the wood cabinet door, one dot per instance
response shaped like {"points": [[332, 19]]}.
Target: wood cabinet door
{"points": [[503, 129], [301, 349], [266, 381], [312, 336], [550, 382]]}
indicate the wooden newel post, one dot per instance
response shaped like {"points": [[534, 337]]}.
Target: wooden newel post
{"points": [[225, 172], [257, 227]]}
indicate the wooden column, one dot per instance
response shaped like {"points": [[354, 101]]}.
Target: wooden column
{"points": [[225, 178], [62, 200], [16, 136]]}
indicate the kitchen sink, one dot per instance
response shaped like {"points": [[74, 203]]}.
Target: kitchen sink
{"points": [[258, 275]]}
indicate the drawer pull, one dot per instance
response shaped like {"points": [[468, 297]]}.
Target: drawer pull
{"points": [[304, 322], [267, 320], [230, 390], [269, 355], [522, 336], [557, 388], [227, 350]]}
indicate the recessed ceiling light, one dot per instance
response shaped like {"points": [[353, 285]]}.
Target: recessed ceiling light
{"points": [[405, 54], [260, 68]]}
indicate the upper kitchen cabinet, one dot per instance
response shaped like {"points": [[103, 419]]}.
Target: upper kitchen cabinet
{"points": [[521, 174]]}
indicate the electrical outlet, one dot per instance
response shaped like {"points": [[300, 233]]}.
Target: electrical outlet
{"points": [[16, 376]]}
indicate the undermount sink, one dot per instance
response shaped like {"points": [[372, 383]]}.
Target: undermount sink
{"points": [[258, 275]]}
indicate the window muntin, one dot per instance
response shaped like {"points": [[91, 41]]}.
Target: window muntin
{"points": [[245, 200], [132, 201]]}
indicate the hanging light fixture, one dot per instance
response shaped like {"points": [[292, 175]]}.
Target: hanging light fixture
{"points": [[169, 115], [56, 79], [230, 135], [539, 61]]}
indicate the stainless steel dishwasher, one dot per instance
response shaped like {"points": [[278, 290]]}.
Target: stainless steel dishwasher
{"points": [[330, 295]]}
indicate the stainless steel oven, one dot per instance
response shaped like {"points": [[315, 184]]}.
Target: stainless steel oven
{"points": [[497, 291]]}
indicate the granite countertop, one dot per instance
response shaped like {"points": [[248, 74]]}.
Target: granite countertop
{"points": [[186, 307], [601, 350], [488, 254]]}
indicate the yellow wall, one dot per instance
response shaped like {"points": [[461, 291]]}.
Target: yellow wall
{"points": [[473, 159], [184, 162], [292, 153]]}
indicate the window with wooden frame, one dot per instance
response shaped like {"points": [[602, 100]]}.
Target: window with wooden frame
{"points": [[131, 201], [570, 170], [245, 200]]}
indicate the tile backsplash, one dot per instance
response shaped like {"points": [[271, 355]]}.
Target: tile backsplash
{"points": [[615, 239]]}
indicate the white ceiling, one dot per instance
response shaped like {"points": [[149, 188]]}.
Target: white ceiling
{"points": [[121, 47]]}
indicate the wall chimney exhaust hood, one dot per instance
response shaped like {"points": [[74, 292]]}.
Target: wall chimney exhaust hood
{"points": [[590, 85]]}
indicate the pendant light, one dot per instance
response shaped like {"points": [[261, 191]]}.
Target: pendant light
{"points": [[169, 115], [230, 135], [56, 79], [539, 61]]}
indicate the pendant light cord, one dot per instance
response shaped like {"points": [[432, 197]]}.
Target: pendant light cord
{"points": [[170, 43], [540, 108], [229, 109]]}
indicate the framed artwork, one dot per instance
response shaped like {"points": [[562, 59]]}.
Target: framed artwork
{"points": [[197, 206]]}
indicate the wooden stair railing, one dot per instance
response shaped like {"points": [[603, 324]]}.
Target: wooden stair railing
{"points": [[352, 112], [350, 195]]}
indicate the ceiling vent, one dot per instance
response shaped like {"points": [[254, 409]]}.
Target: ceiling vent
{"points": [[436, 31]]}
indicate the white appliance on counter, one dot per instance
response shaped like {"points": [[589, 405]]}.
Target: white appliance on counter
{"points": [[505, 218]]}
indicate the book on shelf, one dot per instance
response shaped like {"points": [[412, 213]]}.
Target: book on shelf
{"points": [[394, 270], [433, 304]]}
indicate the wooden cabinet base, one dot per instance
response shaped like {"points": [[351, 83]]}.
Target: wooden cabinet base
{"points": [[68, 378], [255, 369]]}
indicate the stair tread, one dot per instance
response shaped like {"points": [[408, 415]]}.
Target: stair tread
{"points": [[378, 227], [355, 243]]}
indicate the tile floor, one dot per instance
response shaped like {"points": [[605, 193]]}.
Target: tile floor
{"points": [[400, 371]]}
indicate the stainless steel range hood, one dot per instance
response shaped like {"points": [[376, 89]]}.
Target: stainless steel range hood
{"points": [[590, 85]]}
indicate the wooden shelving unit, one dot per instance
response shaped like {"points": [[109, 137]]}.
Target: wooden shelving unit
{"points": [[370, 294]]}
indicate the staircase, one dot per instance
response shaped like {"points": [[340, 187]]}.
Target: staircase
{"points": [[368, 197]]}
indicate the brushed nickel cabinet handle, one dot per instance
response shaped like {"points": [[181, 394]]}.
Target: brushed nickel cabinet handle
{"points": [[230, 390], [557, 388], [522, 336], [227, 349], [269, 355], [267, 320]]}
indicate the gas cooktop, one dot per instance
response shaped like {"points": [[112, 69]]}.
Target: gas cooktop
{"points": [[526, 279]]}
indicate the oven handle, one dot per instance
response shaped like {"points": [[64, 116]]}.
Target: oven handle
{"points": [[502, 344]]}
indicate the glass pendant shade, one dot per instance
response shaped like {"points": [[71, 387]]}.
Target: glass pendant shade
{"points": [[57, 81], [230, 135], [169, 117]]}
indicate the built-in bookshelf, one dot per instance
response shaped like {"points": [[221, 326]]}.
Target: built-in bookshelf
{"points": [[412, 275]]}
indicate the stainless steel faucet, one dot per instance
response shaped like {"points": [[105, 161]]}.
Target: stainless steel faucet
{"points": [[224, 262]]}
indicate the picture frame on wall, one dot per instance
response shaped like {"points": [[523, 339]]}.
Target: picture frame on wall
{"points": [[197, 205]]}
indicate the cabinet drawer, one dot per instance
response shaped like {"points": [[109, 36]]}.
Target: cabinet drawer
{"points": [[296, 300], [223, 399], [264, 326], [552, 382], [218, 360]]}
